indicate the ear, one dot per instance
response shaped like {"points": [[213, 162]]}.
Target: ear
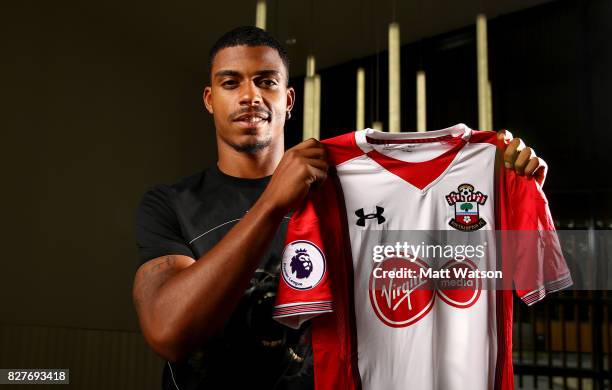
{"points": [[207, 98], [290, 98]]}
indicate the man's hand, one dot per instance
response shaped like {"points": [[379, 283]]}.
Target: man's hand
{"points": [[522, 158], [301, 167]]}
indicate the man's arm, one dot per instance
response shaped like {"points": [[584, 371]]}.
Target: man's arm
{"points": [[180, 302]]}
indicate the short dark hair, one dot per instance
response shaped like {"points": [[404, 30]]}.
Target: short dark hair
{"points": [[249, 36]]}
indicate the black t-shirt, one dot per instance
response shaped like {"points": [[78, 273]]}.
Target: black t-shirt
{"points": [[252, 350]]}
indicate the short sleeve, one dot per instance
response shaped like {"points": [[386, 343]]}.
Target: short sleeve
{"points": [[158, 231], [533, 247], [304, 289]]}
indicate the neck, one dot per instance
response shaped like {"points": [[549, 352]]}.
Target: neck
{"points": [[247, 165]]}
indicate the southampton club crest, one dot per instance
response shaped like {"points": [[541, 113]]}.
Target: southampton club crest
{"points": [[303, 265], [466, 202]]}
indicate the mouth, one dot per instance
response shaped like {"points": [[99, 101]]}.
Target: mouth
{"points": [[252, 120]]}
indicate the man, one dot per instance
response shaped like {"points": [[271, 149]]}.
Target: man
{"points": [[210, 245]]}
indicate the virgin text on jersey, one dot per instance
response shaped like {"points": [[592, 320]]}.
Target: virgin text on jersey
{"points": [[407, 297]]}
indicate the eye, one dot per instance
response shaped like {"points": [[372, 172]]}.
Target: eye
{"points": [[229, 83], [269, 82]]}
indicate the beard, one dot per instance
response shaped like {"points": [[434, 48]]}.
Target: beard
{"points": [[251, 147]]}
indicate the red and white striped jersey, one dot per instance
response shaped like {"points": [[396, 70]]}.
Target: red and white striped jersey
{"points": [[376, 333]]}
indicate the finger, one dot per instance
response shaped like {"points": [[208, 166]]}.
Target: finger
{"points": [[317, 176], [541, 171], [314, 152], [532, 165], [540, 175], [522, 160], [504, 135], [310, 142], [512, 151], [317, 163]]}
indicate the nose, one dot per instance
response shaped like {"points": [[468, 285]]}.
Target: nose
{"points": [[250, 95]]}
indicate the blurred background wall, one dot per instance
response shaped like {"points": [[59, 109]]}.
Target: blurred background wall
{"points": [[102, 100]]}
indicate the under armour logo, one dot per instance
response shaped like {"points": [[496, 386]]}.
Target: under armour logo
{"points": [[362, 217]]}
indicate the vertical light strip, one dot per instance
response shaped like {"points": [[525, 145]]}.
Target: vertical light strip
{"points": [[360, 120], [377, 125], [394, 78], [260, 14], [316, 102], [421, 97], [309, 99], [310, 66], [489, 107], [308, 108], [483, 70]]}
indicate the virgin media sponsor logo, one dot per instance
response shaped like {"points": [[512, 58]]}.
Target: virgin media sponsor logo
{"points": [[402, 291]]}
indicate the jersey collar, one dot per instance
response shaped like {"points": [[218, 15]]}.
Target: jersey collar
{"points": [[423, 174]]}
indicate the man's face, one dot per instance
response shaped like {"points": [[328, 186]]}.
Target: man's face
{"points": [[248, 97]]}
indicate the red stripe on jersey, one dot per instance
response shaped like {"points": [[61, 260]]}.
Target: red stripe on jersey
{"points": [[342, 148], [419, 174], [479, 137], [504, 371]]}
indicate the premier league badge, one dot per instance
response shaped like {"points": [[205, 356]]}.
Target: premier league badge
{"points": [[466, 202], [303, 265]]}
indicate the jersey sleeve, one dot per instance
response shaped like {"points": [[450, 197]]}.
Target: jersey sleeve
{"points": [[532, 246], [304, 289], [158, 231]]}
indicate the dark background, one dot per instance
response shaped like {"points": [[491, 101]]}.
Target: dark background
{"points": [[100, 101], [98, 106], [550, 71]]}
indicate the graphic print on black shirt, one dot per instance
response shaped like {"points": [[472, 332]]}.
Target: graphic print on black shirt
{"points": [[189, 218]]}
